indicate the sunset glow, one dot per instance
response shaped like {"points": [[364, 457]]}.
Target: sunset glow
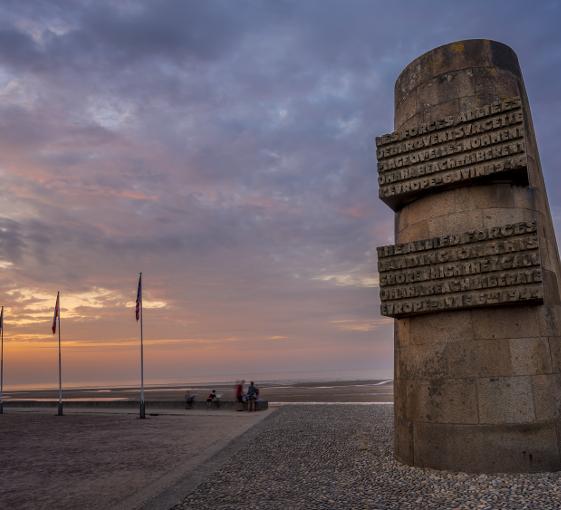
{"points": [[228, 154]]}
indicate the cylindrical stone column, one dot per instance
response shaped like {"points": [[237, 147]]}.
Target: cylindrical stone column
{"points": [[477, 389]]}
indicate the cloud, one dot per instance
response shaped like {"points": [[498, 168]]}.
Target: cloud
{"points": [[349, 280], [361, 326]]}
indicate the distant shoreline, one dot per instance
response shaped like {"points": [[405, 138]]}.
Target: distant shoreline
{"points": [[287, 377], [320, 391], [294, 382]]}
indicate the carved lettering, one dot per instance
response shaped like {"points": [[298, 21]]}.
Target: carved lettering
{"points": [[498, 265], [493, 108], [474, 145], [530, 294]]}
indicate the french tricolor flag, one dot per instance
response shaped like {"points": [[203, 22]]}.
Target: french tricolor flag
{"points": [[139, 297], [57, 312]]}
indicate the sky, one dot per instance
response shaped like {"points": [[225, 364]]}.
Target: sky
{"points": [[225, 148]]}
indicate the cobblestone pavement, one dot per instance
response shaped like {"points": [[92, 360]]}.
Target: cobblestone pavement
{"points": [[340, 457]]}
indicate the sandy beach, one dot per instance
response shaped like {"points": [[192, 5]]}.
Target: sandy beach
{"points": [[373, 390]]}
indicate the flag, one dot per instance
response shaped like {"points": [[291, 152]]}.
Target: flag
{"points": [[2, 320], [57, 313], [139, 297]]}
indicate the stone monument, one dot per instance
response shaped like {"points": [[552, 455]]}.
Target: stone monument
{"points": [[473, 281]]}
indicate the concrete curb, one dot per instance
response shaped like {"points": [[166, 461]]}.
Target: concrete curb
{"points": [[174, 491]]}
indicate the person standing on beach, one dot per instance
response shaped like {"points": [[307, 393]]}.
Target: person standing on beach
{"points": [[189, 399], [251, 396], [239, 393], [212, 399]]}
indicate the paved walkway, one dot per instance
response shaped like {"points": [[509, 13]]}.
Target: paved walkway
{"points": [[109, 460], [340, 457]]}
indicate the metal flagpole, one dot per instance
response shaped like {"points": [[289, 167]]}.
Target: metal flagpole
{"points": [[2, 362], [142, 404], [59, 364]]}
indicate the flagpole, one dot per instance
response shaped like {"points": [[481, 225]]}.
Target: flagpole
{"points": [[2, 365], [59, 365], [142, 404]]}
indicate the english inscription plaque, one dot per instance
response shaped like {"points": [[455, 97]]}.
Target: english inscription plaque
{"points": [[495, 266], [474, 145]]}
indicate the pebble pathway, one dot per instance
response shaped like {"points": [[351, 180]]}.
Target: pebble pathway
{"points": [[340, 457]]}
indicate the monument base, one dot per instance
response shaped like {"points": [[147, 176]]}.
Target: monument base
{"points": [[479, 448]]}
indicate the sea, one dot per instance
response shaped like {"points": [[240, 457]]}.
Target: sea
{"points": [[287, 377]]}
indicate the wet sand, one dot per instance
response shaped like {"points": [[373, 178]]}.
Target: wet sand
{"points": [[374, 390]]}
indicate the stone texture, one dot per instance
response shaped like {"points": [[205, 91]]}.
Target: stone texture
{"points": [[547, 396], [477, 390], [449, 327], [550, 320], [503, 323], [530, 356], [555, 352], [450, 400], [340, 457], [455, 223], [482, 448], [505, 400], [423, 361], [480, 358], [502, 215]]}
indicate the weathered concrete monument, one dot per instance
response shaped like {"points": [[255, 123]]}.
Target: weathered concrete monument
{"points": [[473, 281]]}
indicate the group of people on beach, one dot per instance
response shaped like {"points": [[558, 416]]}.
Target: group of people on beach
{"points": [[250, 396]]}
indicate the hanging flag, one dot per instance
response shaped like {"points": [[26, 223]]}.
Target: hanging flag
{"points": [[139, 297], [57, 314], [2, 320]]}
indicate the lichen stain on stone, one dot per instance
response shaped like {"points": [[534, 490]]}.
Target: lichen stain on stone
{"points": [[457, 47], [446, 78]]}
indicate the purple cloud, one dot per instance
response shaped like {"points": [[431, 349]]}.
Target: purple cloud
{"points": [[225, 149]]}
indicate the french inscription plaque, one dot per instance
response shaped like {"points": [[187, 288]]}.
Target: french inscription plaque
{"points": [[452, 152], [495, 266]]}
